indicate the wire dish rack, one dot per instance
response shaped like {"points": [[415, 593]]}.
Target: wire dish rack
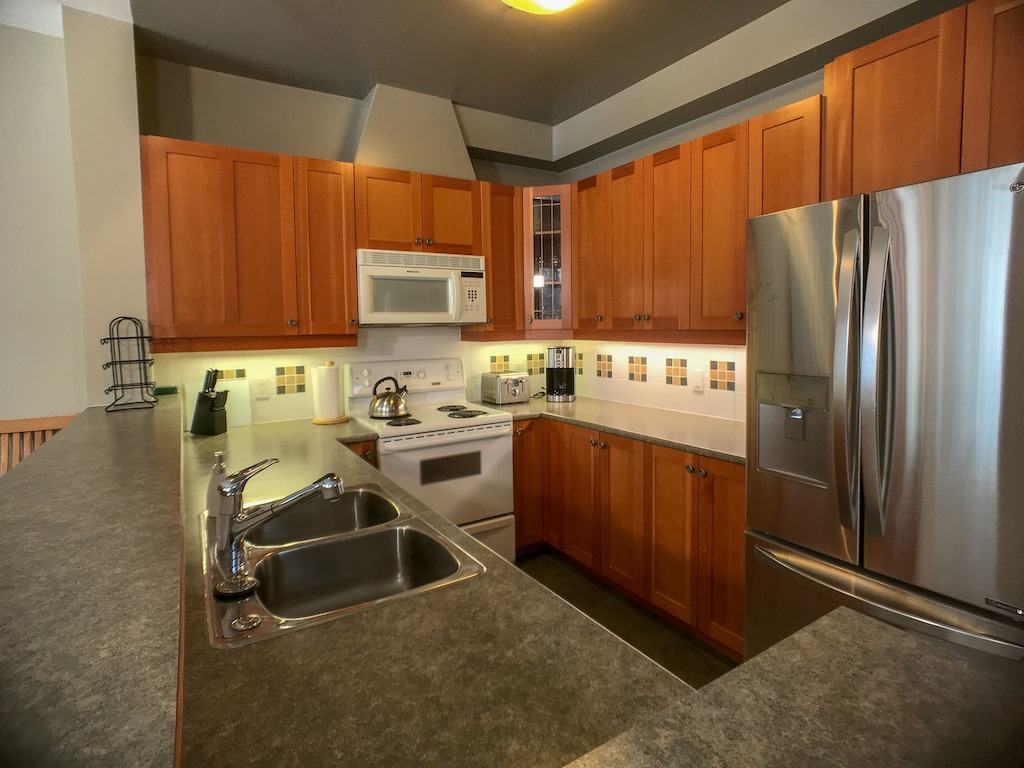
{"points": [[129, 365]]}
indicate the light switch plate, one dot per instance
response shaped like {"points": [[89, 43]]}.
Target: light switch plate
{"points": [[697, 381], [261, 388]]}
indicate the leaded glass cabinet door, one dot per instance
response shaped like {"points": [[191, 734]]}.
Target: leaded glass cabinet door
{"points": [[547, 255]]}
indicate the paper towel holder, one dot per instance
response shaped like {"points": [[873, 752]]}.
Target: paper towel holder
{"points": [[341, 419]]}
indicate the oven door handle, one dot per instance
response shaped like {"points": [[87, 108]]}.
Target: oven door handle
{"points": [[412, 443]]}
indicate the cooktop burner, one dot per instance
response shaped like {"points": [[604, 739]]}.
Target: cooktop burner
{"points": [[444, 408], [465, 413], [404, 421]]}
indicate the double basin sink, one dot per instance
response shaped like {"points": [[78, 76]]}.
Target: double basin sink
{"points": [[324, 559]]}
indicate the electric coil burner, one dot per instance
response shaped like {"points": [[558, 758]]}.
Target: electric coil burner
{"points": [[460, 469]]}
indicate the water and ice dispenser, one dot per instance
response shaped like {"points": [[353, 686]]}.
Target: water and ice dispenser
{"points": [[793, 426]]}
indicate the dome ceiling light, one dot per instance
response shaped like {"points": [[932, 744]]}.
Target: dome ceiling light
{"points": [[541, 6]]}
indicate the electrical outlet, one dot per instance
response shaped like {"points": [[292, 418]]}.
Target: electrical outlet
{"points": [[261, 388], [697, 380]]}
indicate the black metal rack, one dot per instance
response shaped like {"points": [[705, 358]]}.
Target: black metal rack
{"points": [[129, 365]]}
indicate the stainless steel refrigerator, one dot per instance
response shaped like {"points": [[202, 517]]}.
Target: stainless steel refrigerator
{"points": [[885, 412]]}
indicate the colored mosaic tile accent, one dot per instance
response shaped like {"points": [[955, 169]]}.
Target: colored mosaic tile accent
{"points": [[579, 363], [500, 364], [232, 373], [675, 371], [290, 379], [723, 375], [604, 367], [535, 363], [637, 368]]}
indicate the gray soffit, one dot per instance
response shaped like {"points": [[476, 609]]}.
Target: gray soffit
{"points": [[481, 53]]}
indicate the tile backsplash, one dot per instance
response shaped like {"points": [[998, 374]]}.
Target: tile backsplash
{"points": [[670, 376]]}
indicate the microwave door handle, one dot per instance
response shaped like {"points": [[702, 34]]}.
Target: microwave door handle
{"points": [[455, 296]]}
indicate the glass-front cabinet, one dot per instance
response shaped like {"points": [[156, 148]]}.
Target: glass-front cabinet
{"points": [[547, 245]]}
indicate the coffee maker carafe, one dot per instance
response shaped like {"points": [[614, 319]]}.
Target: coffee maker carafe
{"points": [[561, 374]]}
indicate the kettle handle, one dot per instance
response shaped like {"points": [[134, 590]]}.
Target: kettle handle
{"points": [[386, 378]]}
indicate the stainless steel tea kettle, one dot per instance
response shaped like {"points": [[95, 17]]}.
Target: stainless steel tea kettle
{"points": [[388, 404]]}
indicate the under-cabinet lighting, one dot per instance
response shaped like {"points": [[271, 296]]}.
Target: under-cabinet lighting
{"points": [[541, 6]]}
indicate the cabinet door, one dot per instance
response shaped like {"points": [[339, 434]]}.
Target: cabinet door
{"points": [[721, 502], [993, 125], [785, 158], [581, 518], [894, 108], [365, 449], [220, 240], [667, 239], [503, 250], [528, 474], [451, 215], [622, 504], [672, 500], [548, 225], [325, 247], [388, 209], [590, 261], [624, 276], [553, 437], [718, 256]]}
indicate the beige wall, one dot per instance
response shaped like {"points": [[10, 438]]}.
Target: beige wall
{"points": [[102, 108], [41, 349]]}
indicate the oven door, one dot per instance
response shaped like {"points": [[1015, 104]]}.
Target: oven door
{"points": [[463, 477]]}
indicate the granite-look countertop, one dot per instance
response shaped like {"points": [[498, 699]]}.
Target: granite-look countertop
{"points": [[846, 691], [718, 438], [495, 670], [89, 568]]}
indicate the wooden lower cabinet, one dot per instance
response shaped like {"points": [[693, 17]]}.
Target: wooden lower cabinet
{"points": [[623, 545], [528, 481], [581, 500], [672, 503], [365, 449]]}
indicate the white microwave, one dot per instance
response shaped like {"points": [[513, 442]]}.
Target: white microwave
{"points": [[411, 288]]}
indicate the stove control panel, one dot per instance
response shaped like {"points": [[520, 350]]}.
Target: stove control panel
{"points": [[415, 375]]}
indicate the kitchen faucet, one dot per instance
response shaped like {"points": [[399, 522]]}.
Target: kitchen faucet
{"points": [[233, 521]]}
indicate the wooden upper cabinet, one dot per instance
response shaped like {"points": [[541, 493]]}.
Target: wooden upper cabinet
{"points": [[503, 250], [718, 230], [894, 108], [623, 544], [406, 211], [548, 232], [590, 226], [672, 501], [785, 158], [666, 212], [220, 240], [993, 122], [625, 257], [325, 247], [721, 490]]}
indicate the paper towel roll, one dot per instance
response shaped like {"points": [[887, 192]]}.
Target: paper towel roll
{"points": [[327, 395]]}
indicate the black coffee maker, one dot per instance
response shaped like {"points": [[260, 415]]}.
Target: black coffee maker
{"points": [[561, 374]]}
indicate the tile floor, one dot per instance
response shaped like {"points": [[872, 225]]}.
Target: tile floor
{"points": [[682, 655]]}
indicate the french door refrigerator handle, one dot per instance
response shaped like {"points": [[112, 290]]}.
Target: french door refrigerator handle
{"points": [[871, 388], [889, 603], [843, 420]]}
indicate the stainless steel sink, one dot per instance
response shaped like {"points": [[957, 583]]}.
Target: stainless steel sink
{"points": [[316, 518], [333, 575], [327, 564]]}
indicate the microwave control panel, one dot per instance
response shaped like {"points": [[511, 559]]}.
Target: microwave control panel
{"points": [[474, 298]]}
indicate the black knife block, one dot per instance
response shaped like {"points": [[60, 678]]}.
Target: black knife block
{"points": [[210, 417]]}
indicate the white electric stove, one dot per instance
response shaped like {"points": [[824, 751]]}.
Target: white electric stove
{"points": [[454, 456]]}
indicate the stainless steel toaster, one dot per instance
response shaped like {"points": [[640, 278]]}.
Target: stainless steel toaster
{"points": [[502, 388]]}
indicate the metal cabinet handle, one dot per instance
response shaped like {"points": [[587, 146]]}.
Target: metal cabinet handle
{"points": [[418, 241], [519, 431], [702, 473], [599, 318], [293, 323], [689, 467], [602, 445], [737, 315], [529, 319], [490, 320], [593, 442], [636, 317], [646, 318], [430, 241], [368, 454], [353, 321]]}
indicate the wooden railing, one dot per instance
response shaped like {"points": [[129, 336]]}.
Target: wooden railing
{"points": [[20, 437]]}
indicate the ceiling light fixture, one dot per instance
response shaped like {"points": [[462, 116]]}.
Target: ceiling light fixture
{"points": [[541, 6]]}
